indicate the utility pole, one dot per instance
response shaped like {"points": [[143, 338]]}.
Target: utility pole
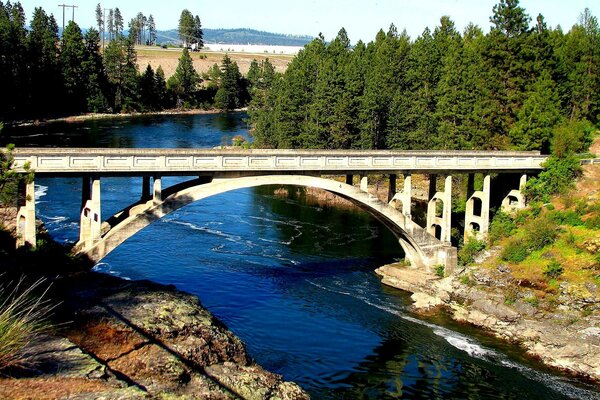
{"points": [[64, 6]]}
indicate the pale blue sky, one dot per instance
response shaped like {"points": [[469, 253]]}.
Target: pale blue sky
{"points": [[361, 18]]}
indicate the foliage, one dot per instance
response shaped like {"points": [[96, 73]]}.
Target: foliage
{"points": [[513, 88], [558, 176], [467, 253], [553, 270], [502, 226], [515, 251], [23, 318], [440, 270], [184, 83], [9, 179], [572, 137], [232, 89], [190, 29], [540, 232]]}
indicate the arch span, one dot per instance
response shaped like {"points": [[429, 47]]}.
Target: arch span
{"points": [[421, 249]]}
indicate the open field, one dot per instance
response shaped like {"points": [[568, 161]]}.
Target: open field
{"points": [[169, 58]]}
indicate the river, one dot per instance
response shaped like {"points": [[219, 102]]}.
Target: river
{"points": [[292, 279]]}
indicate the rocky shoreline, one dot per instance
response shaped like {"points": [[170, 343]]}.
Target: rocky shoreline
{"points": [[123, 339], [566, 339]]}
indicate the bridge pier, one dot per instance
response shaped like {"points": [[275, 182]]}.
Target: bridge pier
{"points": [[405, 197], [26, 234], [146, 188], [157, 190], [90, 221], [477, 201], [515, 200], [392, 187], [440, 226], [364, 183]]}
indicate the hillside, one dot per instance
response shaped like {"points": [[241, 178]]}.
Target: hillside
{"points": [[238, 36]]}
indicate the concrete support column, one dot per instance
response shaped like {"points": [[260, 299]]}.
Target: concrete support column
{"points": [[91, 220], [364, 183], [26, 234], [482, 219], [146, 195], [349, 179], [407, 196], [515, 200], [157, 189], [392, 187], [443, 222]]}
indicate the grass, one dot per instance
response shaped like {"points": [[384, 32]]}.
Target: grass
{"points": [[23, 318]]}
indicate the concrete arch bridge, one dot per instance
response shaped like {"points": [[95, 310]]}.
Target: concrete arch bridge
{"points": [[217, 171]]}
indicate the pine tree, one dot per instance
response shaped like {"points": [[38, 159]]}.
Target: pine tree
{"points": [[122, 75], [100, 19], [160, 86], [94, 70], [42, 57], [151, 30], [184, 83], [148, 92], [118, 23], [228, 97], [72, 58], [538, 117], [198, 33], [187, 27], [110, 25]]}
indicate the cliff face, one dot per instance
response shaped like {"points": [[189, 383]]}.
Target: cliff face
{"points": [[129, 340]]}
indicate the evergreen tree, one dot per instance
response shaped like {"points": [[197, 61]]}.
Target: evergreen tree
{"points": [[151, 30], [100, 19], [110, 25], [187, 27], [42, 57], [198, 33], [13, 65], [229, 96], [538, 117], [148, 92], [184, 83], [160, 87], [121, 71], [72, 57], [118, 23], [96, 80]]}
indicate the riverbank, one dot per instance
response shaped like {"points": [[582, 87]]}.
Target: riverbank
{"points": [[117, 339], [547, 302], [137, 340], [105, 116]]}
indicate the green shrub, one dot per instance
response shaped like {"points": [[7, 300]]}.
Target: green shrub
{"points": [[553, 270], [467, 253], [540, 232], [593, 222], [558, 176], [567, 217], [440, 270], [503, 225], [23, 318], [515, 251]]}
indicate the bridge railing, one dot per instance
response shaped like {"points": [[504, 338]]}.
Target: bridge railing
{"points": [[192, 161]]}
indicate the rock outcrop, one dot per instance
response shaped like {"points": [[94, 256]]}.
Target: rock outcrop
{"points": [[134, 340], [566, 338]]}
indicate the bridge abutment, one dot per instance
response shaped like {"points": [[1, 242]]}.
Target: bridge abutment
{"points": [[90, 216]]}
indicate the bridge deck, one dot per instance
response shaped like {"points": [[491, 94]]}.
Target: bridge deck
{"points": [[110, 161]]}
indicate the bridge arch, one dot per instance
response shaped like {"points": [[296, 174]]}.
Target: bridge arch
{"points": [[420, 248]]}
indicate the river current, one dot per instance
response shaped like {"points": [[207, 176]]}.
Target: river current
{"points": [[294, 280]]}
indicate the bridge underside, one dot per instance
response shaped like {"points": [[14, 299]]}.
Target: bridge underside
{"points": [[422, 249]]}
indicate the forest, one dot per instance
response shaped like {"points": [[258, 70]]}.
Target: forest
{"points": [[43, 75], [516, 87]]}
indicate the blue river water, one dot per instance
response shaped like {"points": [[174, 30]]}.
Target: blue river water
{"points": [[293, 279]]}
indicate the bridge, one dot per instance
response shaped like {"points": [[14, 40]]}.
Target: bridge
{"points": [[217, 171]]}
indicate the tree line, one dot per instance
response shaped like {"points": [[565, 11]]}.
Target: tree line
{"points": [[511, 88], [44, 75]]}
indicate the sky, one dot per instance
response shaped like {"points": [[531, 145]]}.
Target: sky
{"points": [[361, 18]]}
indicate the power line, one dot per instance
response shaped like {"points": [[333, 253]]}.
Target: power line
{"points": [[65, 6]]}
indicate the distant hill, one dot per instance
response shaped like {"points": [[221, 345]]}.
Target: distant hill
{"points": [[239, 36]]}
